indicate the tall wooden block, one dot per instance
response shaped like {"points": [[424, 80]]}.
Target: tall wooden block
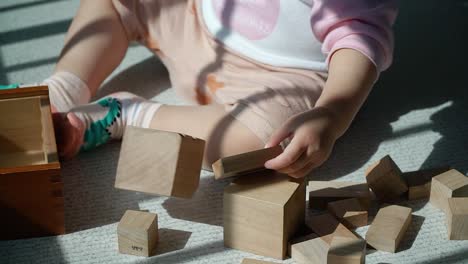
{"points": [[137, 233], [350, 212], [244, 163], [312, 249], [457, 218], [31, 189], [346, 250], [323, 192], [446, 185], [255, 261], [159, 162], [385, 180], [419, 182], [389, 227], [262, 211]]}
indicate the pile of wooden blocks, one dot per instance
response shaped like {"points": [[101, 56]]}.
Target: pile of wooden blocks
{"points": [[264, 212]]}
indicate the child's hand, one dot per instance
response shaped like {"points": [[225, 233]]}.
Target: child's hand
{"points": [[313, 137]]}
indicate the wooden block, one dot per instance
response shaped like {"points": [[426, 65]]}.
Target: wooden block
{"points": [[159, 162], [244, 163], [323, 192], [457, 218], [385, 180], [446, 185], [255, 261], [389, 227], [326, 227], [311, 249], [262, 211], [138, 233], [346, 250], [350, 212], [419, 182], [31, 189]]}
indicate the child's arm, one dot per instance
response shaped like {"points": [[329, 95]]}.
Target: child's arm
{"points": [[351, 76]]}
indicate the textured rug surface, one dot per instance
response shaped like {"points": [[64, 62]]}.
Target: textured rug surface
{"points": [[417, 113]]}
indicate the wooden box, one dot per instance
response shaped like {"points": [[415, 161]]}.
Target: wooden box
{"points": [[31, 200]]}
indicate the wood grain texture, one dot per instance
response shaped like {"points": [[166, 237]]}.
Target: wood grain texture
{"points": [[389, 227], [323, 192], [137, 233], [31, 189], [419, 182], [256, 261], [457, 218], [446, 185], [262, 211], [349, 212], [346, 250], [244, 163], [159, 162], [385, 180], [312, 249]]}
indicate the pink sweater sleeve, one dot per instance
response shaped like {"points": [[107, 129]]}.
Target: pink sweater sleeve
{"points": [[363, 25]]}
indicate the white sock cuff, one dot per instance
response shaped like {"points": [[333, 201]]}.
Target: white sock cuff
{"points": [[67, 90], [149, 114]]}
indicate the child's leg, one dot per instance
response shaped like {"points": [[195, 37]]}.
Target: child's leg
{"points": [[95, 44]]}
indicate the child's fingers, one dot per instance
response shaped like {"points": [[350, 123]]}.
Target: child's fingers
{"points": [[290, 154], [304, 171]]}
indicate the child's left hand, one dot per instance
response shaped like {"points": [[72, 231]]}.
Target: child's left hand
{"points": [[313, 136]]}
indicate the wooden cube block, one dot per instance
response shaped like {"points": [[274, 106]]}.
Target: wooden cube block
{"points": [[255, 261], [389, 227], [350, 212], [457, 218], [385, 180], [323, 192], [419, 182], [262, 211], [310, 249], [159, 162], [346, 250], [138, 233], [244, 163], [31, 189], [326, 227], [446, 185]]}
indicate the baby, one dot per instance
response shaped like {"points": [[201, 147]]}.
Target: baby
{"points": [[256, 73]]}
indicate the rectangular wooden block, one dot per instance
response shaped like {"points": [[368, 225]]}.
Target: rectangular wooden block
{"points": [[385, 180], [137, 233], [457, 218], [326, 227], [323, 192], [262, 211], [389, 227], [31, 198], [446, 185], [346, 250], [350, 212], [159, 162], [244, 163], [255, 261], [311, 249], [419, 182]]}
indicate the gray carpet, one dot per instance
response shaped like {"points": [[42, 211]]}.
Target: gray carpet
{"points": [[417, 113]]}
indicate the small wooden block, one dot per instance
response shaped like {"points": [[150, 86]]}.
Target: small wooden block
{"points": [[419, 182], [312, 249], [446, 185], [138, 233], [323, 192], [262, 211], [255, 261], [389, 227], [346, 250], [350, 212], [159, 162], [244, 163], [457, 218], [326, 227], [384, 178]]}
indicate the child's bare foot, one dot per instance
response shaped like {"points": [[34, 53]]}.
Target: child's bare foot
{"points": [[88, 126]]}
